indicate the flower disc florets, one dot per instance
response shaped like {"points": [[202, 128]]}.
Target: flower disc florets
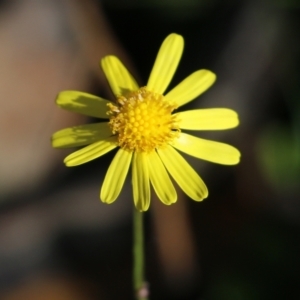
{"points": [[143, 121]]}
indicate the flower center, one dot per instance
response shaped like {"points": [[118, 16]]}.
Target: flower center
{"points": [[143, 121]]}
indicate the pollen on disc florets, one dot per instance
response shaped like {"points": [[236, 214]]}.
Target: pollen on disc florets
{"points": [[143, 121]]}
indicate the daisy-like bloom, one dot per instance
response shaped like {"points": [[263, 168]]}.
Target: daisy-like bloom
{"points": [[143, 125]]}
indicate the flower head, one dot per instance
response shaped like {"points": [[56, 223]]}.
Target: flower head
{"points": [[143, 125]]}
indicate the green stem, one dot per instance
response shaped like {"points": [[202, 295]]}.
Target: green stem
{"points": [[140, 287]]}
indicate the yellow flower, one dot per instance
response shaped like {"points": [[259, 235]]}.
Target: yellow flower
{"points": [[143, 125]]}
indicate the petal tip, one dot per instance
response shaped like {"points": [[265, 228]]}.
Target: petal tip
{"points": [[106, 58], [177, 36], [105, 198], [68, 163], [203, 194], [203, 197], [142, 208], [211, 76]]}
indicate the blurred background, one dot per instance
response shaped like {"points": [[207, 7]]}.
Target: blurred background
{"points": [[59, 242]]}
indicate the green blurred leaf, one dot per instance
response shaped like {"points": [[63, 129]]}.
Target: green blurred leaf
{"points": [[279, 157]]}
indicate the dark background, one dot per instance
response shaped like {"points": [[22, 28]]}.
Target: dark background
{"points": [[58, 241]]}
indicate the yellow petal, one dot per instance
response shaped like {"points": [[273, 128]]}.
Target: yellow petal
{"points": [[83, 103], [80, 135], [115, 176], [208, 150], [185, 176], [160, 180], [208, 119], [140, 181], [191, 87], [166, 63], [120, 80], [90, 152]]}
